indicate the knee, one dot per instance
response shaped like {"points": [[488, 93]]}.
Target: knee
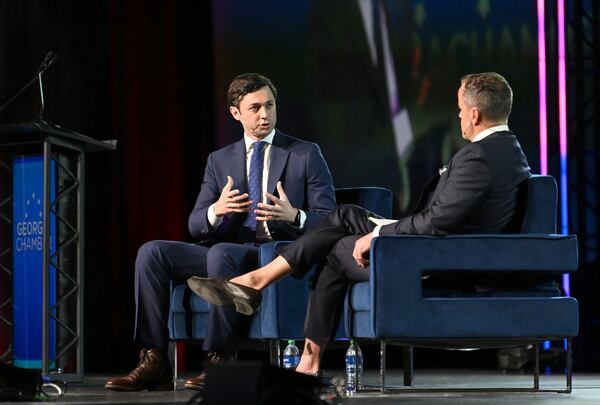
{"points": [[345, 210], [220, 262], [149, 257]]}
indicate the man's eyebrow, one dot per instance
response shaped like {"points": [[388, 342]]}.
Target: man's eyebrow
{"points": [[258, 104]]}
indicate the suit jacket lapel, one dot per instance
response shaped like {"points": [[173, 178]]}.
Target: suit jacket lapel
{"points": [[426, 194], [238, 166], [279, 157]]}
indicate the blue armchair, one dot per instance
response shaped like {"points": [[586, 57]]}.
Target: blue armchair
{"points": [[394, 305], [281, 313]]}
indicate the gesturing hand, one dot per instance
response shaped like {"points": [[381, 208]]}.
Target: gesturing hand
{"points": [[281, 211], [361, 250], [231, 200]]}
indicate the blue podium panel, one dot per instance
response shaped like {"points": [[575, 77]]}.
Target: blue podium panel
{"points": [[28, 210]]}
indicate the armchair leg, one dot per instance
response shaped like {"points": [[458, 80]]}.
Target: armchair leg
{"points": [[536, 366], [382, 356], [407, 370], [569, 342], [173, 361], [274, 352]]}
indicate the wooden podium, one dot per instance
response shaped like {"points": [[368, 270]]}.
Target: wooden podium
{"points": [[63, 151]]}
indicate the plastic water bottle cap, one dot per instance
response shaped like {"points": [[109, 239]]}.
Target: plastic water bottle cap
{"points": [[291, 342]]}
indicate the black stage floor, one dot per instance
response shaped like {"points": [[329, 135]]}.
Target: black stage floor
{"points": [[586, 390]]}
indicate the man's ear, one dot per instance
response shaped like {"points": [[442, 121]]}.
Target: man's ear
{"points": [[476, 117], [235, 112]]}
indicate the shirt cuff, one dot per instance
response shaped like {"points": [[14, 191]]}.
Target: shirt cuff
{"points": [[213, 219], [376, 230], [302, 218]]}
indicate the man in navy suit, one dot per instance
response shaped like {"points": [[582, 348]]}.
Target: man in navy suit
{"points": [[265, 170], [475, 193]]}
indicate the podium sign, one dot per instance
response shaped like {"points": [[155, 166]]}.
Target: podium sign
{"points": [[28, 233]]}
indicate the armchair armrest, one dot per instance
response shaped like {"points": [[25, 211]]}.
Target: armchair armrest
{"points": [[408, 258], [395, 292]]}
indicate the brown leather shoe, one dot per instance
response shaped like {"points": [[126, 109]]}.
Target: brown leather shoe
{"points": [[197, 383], [152, 373]]}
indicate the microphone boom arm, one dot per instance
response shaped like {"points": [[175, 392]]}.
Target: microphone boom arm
{"points": [[48, 60]]}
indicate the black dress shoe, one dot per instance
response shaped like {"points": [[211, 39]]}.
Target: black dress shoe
{"points": [[210, 289], [224, 292]]}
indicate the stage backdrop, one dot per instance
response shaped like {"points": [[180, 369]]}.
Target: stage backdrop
{"points": [[394, 123], [153, 75]]}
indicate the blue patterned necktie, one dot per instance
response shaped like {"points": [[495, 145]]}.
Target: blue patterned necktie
{"points": [[255, 181]]}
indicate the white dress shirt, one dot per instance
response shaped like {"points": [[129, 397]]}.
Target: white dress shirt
{"points": [[262, 230]]}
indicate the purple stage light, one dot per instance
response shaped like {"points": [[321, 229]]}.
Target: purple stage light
{"points": [[562, 129], [542, 87]]}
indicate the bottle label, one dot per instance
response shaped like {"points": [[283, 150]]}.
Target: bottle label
{"points": [[291, 361]]}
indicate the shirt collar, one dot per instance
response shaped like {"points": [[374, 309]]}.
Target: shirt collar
{"points": [[489, 131], [249, 141]]}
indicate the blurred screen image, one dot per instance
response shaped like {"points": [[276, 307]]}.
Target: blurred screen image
{"points": [[374, 82]]}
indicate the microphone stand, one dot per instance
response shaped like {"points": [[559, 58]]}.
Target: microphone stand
{"points": [[41, 97], [48, 60]]}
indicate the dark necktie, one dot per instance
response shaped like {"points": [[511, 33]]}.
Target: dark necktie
{"points": [[255, 181]]}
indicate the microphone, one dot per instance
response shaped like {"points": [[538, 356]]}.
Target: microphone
{"points": [[45, 61], [49, 59]]}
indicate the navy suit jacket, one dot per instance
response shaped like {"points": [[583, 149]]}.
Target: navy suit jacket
{"points": [[477, 193], [298, 164]]}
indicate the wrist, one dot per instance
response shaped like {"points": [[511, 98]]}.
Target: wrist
{"points": [[296, 221], [218, 211], [213, 219]]}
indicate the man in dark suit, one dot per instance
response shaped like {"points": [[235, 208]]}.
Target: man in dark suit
{"points": [[240, 179], [476, 192]]}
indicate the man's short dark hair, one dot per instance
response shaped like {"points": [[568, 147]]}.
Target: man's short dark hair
{"points": [[490, 93], [247, 83]]}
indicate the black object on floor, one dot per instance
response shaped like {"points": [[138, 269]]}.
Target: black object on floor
{"points": [[258, 383], [19, 384]]}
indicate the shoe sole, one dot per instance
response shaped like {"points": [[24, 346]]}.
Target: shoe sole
{"points": [[194, 387], [218, 292], [244, 308], [211, 290], [123, 388]]}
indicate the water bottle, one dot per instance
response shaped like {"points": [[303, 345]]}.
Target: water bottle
{"points": [[291, 355], [359, 367], [354, 368]]}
